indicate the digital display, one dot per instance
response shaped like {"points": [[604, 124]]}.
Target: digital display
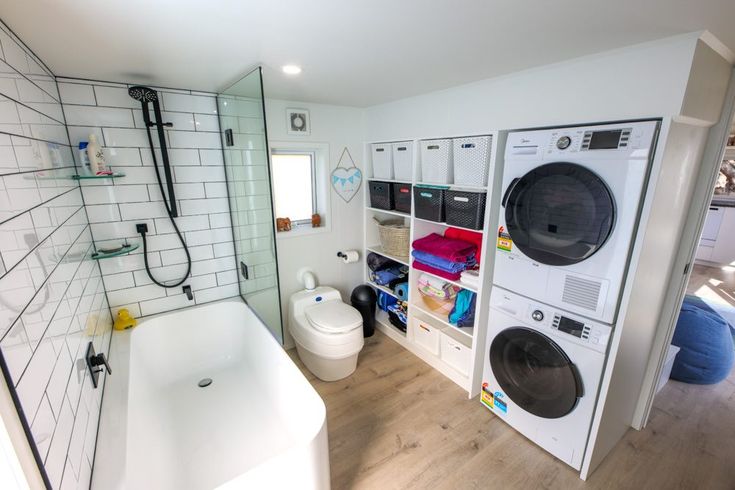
{"points": [[605, 140], [570, 326]]}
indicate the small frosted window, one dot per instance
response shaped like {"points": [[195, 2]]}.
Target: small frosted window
{"points": [[293, 186]]}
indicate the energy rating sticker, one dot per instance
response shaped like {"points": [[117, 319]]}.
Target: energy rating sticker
{"points": [[486, 399], [505, 243]]}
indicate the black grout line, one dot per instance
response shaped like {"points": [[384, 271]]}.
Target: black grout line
{"points": [[34, 139], [66, 333], [2, 222], [24, 420], [20, 172], [23, 310], [27, 49], [31, 108]]}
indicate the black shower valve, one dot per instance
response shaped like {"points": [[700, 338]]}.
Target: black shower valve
{"points": [[141, 228]]}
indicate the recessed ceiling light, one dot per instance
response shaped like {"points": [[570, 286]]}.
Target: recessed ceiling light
{"points": [[291, 69]]}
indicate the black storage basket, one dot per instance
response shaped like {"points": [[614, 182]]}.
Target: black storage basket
{"points": [[429, 202], [402, 197], [381, 195], [465, 209]]}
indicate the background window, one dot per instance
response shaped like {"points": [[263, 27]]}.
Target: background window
{"points": [[294, 188]]}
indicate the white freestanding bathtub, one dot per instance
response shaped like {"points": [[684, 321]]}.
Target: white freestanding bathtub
{"points": [[259, 424]]}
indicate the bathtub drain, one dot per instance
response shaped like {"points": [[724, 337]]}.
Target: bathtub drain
{"points": [[205, 382]]}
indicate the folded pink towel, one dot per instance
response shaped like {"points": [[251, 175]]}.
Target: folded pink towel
{"points": [[447, 248], [437, 272]]}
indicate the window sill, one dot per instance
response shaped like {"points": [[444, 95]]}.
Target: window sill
{"points": [[300, 231]]}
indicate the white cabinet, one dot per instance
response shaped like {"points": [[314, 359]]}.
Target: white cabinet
{"points": [[717, 244], [712, 224], [723, 251]]}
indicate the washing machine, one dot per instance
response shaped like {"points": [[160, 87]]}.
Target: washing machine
{"points": [[542, 372], [570, 207]]}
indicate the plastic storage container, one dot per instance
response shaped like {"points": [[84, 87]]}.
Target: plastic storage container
{"points": [[429, 203], [668, 366], [456, 354], [465, 209], [436, 161], [382, 161], [403, 160], [363, 299], [425, 335], [471, 160], [381, 195], [402, 197]]}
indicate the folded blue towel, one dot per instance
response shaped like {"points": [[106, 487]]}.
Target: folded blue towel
{"points": [[443, 264], [385, 276]]}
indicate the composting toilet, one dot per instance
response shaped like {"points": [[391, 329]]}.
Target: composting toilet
{"points": [[327, 332]]}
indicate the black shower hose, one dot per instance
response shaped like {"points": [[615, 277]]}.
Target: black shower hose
{"points": [[173, 222]]}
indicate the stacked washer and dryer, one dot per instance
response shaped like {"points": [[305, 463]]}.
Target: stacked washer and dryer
{"points": [[570, 208]]}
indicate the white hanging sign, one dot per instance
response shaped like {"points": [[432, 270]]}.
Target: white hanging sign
{"points": [[346, 180]]}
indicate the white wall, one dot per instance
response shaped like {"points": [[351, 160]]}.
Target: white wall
{"points": [[339, 127], [115, 206], [642, 81], [52, 300]]}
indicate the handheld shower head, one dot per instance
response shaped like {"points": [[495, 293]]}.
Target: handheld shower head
{"points": [[143, 94]]}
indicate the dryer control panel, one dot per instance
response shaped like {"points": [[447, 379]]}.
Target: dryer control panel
{"points": [[605, 141]]}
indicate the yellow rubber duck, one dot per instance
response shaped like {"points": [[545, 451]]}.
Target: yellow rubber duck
{"points": [[124, 320]]}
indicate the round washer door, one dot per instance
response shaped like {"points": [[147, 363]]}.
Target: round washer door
{"points": [[559, 213], [535, 373]]}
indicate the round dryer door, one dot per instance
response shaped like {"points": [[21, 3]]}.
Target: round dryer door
{"points": [[559, 213], [535, 373]]}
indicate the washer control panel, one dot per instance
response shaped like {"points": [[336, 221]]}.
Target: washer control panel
{"points": [[551, 321]]}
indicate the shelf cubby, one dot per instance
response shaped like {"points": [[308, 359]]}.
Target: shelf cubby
{"points": [[469, 339]]}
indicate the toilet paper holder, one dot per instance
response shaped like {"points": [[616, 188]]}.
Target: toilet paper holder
{"points": [[348, 256]]}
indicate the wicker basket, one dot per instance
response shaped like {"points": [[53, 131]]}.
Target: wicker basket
{"points": [[394, 237]]}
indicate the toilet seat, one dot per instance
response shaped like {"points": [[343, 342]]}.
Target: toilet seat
{"points": [[333, 317]]}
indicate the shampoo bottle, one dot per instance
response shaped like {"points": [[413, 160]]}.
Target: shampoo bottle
{"points": [[96, 157], [84, 158]]}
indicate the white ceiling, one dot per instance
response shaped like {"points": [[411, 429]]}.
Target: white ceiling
{"points": [[353, 52]]}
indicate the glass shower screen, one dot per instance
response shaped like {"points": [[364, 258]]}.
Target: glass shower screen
{"points": [[241, 109]]}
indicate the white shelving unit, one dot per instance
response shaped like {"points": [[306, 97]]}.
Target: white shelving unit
{"points": [[458, 353]]}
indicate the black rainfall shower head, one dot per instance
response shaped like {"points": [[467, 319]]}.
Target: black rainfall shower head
{"points": [[143, 94]]}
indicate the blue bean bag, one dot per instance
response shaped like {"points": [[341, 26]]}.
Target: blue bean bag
{"points": [[706, 341]]}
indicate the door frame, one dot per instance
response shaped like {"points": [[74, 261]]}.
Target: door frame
{"points": [[701, 199]]}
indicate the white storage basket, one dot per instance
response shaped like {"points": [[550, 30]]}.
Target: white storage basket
{"points": [[436, 161], [471, 160], [403, 161], [456, 354], [425, 335], [382, 154]]}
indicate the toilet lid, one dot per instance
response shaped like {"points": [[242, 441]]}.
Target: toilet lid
{"points": [[333, 317]]}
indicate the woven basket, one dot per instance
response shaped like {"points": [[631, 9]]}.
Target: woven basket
{"points": [[394, 237]]}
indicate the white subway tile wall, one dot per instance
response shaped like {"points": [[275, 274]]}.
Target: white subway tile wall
{"points": [[115, 206], [246, 163], [52, 299]]}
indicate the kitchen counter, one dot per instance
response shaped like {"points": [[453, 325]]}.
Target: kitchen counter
{"points": [[724, 203]]}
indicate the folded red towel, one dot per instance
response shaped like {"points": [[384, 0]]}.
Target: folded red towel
{"points": [[466, 236], [447, 248], [437, 272]]}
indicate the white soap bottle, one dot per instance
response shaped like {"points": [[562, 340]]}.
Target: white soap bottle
{"points": [[96, 157]]}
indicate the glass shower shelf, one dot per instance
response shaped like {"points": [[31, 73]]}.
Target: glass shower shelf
{"points": [[123, 251], [108, 176]]}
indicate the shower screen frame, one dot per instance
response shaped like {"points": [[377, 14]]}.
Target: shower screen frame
{"points": [[243, 269]]}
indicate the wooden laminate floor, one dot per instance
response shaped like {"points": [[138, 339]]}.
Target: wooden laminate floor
{"points": [[396, 423], [715, 283]]}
